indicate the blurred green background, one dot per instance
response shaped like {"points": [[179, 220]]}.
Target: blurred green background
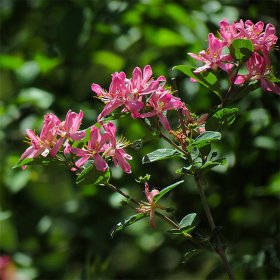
{"points": [[51, 52]]}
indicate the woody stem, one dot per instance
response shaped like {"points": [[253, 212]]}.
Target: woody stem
{"points": [[220, 247]]}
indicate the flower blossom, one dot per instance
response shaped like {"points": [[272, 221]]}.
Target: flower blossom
{"points": [[258, 70], [213, 57], [69, 129], [127, 93], [160, 102], [150, 206], [115, 148], [43, 144], [104, 145], [92, 150]]}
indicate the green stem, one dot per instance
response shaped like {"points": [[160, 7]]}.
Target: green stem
{"points": [[220, 247]]}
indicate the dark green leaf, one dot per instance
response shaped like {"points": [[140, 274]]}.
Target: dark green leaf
{"points": [[210, 164], [166, 190], [127, 222], [160, 154], [222, 118], [241, 49], [206, 78]]}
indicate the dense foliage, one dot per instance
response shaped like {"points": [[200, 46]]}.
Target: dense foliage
{"points": [[54, 229]]}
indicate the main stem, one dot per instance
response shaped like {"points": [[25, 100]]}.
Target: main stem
{"points": [[220, 248]]}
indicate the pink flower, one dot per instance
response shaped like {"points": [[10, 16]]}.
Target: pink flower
{"points": [[160, 102], [142, 83], [258, 70], [69, 129], [92, 150], [116, 95], [127, 93], [150, 206], [267, 39], [115, 148], [43, 144], [228, 32], [213, 57]]}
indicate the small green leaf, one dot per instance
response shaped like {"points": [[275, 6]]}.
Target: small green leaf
{"points": [[127, 222], [166, 190], [241, 49], [192, 253], [160, 154], [206, 78], [204, 139], [190, 220]]}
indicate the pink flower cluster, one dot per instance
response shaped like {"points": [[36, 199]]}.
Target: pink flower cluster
{"points": [[102, 146], [55, 134], [258, 66], [141, 96]]}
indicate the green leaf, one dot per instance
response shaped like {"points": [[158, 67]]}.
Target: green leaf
{"points": [[166, 190], [192, 253], [187, 224], [190, 220], [241, 49], [160, 154], [206, 78], [127, 222], [91, 175], [38, 161], [273, 79], [222, 118], [210, 164], [204, 139]]}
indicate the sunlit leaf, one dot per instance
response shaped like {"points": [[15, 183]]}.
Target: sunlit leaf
{"points": [[206, 78], [241, 49], [204, 139]]}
